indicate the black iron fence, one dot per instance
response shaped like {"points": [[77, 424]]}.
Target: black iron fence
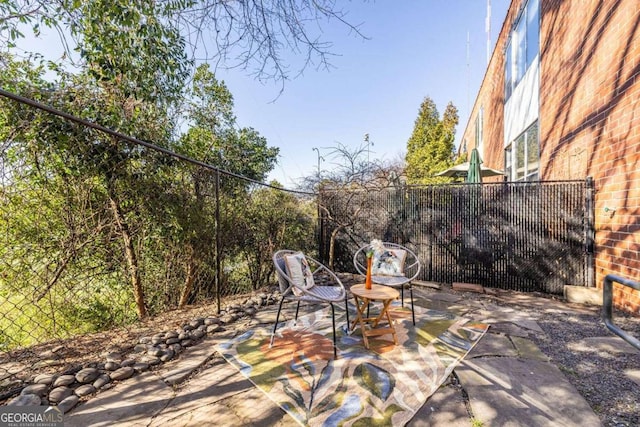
{"points": [[529, 236]]}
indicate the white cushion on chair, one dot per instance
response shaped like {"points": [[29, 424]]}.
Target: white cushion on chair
{"points": [[389, 262], [299, 271], [325, 293], [395, 281]]}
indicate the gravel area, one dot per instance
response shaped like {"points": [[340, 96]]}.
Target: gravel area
{"points": [[602, 375]]}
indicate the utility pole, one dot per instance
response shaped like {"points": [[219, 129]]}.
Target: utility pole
{"points": [[319, 158], [369, 145]]}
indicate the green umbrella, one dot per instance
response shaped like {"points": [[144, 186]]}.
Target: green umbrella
{"points": [[474, 175]]}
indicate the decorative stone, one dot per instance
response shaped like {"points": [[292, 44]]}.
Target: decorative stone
{"points": [[140, 367], [111, 366], [101, 381], [157, 339], [195, 323], [214, 328], [44, 379], [211, 321], [59, 393], [72, 371], [85, 390], [171, 334], [122, 373], [197, 334], [186, 343], [173, 341], [145, 340], [128, 362], [184, 336], [167, 355], [64, 380], [37, 389], [140, 348], [177, 348], [151, 360], [155, 352], [250, 311], [25, 400], [87, 375], [67, 403]]}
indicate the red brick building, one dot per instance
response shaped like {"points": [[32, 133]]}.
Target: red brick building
{"points": [[561, 100]]}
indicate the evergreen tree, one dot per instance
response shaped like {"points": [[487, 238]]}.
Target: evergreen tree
{"points": [[430, 147]]}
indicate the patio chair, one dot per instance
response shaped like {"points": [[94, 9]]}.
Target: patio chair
{"points": [[396, 266], [297, 276]]}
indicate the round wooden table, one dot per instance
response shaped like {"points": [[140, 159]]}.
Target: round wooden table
{"points": [[362, 298]]}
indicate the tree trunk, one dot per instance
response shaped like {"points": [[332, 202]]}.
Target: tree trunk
{"points": [[188, 282], [332, 244], [131, 257]]}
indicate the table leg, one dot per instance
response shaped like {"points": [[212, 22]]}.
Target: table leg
{"points": [[360, 306], [385, 309]]}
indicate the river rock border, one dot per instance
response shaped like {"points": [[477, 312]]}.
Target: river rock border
{"points": [[65, 389]]}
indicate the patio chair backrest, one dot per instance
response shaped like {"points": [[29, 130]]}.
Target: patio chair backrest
{"points": [[293, 271], [409, 264]]}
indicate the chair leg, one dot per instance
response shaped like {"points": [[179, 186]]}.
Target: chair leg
{"points": [[402, 296], [346, 308], [297, 310], [413, 313], [333, 320], [275, 326]]}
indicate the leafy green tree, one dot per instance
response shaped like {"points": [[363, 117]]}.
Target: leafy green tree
{"points": [[252, 35], [213, 138], [430, 147], [269, 220], [131, 45]]}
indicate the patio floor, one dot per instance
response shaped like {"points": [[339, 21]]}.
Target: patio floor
{"points": [[504, 380]]}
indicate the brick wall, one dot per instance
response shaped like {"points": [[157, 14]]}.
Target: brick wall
{"points": [[589, 118]]}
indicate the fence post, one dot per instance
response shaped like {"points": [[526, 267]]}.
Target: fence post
{"points": [[218, 263], [320, 228], [589, 229]]}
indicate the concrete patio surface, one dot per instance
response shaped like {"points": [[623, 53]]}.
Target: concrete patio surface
{"points": [[504, 381]]}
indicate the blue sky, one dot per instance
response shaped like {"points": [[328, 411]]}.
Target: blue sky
{"points": [[416, 49]]}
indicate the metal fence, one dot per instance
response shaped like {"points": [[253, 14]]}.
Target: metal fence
{"points": [[525, 236], [104, 231]]}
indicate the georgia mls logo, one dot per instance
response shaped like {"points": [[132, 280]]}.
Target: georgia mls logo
{"points": [[31, 416]]}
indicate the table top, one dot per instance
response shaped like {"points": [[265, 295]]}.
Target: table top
{"points": [[377, 292]]}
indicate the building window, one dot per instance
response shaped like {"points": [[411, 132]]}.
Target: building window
{"points": [[522, 47], [508, 164], [521, 160]]}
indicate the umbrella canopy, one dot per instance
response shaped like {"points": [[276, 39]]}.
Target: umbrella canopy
{"points": [[474, 176], [461, 170]]}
